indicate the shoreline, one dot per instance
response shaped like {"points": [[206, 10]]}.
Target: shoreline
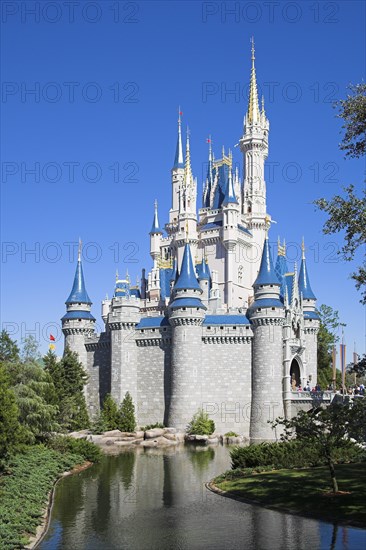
{"points": [[210, 485], [43, 527]]}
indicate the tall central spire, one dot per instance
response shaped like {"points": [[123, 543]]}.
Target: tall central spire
{"points": [[178, 160], [253, 107], [187, 168]]}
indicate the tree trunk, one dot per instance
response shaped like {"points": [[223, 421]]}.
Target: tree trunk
{"points": [[332, 474]]}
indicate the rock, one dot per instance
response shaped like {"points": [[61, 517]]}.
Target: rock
{"points": [[124, 443], [170, 436], [171, 430], [107, 442], [79, 435], [213, 440], [95, 438], [197, 438], [233, 440], [201, 437], [114, 433], [139, 434], [180, 437], [155, 432], [149, 443]]}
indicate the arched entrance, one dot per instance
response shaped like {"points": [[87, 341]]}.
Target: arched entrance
{"points": [[295, 373]]}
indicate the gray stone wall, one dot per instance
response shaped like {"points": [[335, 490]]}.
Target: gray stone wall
{"points": [[226, 377], [123, 362], [99, 370], [311, 342]]}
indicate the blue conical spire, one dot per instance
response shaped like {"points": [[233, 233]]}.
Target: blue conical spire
{"points": [[229, 193], [203, 271], [303, 281], [78, 293], [187, 278], [206, 202], [174, 276], [267, 274], [155, 225], [178, 160]]}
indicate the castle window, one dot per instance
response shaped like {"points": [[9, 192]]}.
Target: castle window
{"points": [[184, 309], [197, 308], [273, 308], [142, 330], [153, 330], [164, 329], [221, 328], [234, 328], [271, 286], [79, 319], [259, 309], [208, 328]]}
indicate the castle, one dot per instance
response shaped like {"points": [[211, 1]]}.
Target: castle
{"points": [[217, 323]]}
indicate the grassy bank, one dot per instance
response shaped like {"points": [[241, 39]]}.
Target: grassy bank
{"points": [[305, 491], [24, 490]]}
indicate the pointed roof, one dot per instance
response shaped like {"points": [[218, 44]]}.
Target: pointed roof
{"points": [[267, 274], [174, 275], [155, 225], [187, 278], [78, 292], [303, 281], [209, 175], [178, 160], [253, 115], [188, 177], [203, 271], [230, 197]]}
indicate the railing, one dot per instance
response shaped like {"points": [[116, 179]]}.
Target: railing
{"points": [[323, 395]]}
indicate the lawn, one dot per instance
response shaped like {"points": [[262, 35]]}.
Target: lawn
{"points": [[306, 491]]}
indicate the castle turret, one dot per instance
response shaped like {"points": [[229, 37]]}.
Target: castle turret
{"points": [[254, 146], [177, 176], [155, 240], [206, 202], [311, 319], [267, 315], [78, 322], [203, 274], [230, 210], [186, 314]]}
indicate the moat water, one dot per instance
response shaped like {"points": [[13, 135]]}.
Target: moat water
{"points": [[157, 500]]}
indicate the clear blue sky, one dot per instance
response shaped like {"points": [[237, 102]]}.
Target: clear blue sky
{"points": [[107, 86]]}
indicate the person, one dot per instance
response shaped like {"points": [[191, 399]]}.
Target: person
{"points": [[299, 388]]}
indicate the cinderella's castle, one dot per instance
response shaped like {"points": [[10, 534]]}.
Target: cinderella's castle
{"points": [[218, 323]]}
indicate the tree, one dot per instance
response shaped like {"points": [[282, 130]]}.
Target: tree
{"points": [[201, 424], [69, 379], [109, 414], [9, 351], [327, 338], [349, 213], [126, 415], [30, 349], [10, 432], [359, 368], [328, 429]]}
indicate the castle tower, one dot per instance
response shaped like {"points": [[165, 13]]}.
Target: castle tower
{"points": [[311, 320], [254, 146], [230, 210], [155, 240], [177, 176], [203, 274], [186, 314], [267, 315], [78, 322], [123, 317]]}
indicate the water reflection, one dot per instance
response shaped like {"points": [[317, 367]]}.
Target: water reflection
{"points": [[156, 499]]}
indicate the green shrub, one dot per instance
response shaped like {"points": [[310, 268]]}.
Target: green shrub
{"points": [[126, 415], [98, 425], [86, 449], [201, 424], [109, 414], [231, 434], [291, 454], [152, 426]]}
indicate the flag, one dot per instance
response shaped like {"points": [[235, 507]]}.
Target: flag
{"points": [[52, 347], [52, 338]]}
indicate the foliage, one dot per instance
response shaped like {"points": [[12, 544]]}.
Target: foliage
{"points": [[327, 335], [23, 493], [98, 424], [126, 415], [30, 349], [69, 379], [109, 414], [290, 454], [32, 388], [152, 426], [353, 111], [9, 351], [328, 430], [360, 367], [10, 432], [87, 449], [348, 213], [201, 424], [231, 434]]}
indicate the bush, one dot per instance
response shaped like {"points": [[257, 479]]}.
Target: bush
{"points": [[86, 449], [109, 414], [231, 434], [291, 454], [201, 424], [98, 425], [126, 415]]}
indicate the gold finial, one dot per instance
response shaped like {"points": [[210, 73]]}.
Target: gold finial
{"points": [[303, 248], [253, 107]]}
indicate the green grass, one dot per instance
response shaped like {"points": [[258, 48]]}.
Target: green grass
{"points": [[24, 490], [305, 491]]}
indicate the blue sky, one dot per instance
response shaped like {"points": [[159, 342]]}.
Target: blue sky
{"points": [[99, 132]]}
